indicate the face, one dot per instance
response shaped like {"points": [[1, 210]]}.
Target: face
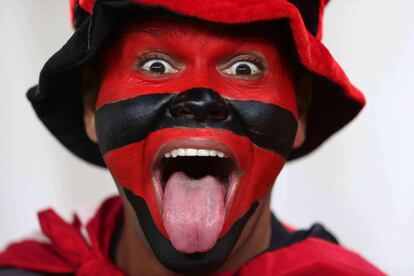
{"points": [[195, 122]]}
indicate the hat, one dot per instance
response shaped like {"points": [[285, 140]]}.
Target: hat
{"points": [[57, 97]]}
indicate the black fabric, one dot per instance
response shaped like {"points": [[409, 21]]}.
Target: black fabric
{"points": [[121, 123], [281, 237], [79, 16], [309, 10], [57, 99], [20, 272], [318, 123], [176, 261]]}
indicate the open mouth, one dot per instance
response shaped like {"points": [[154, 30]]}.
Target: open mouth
{"points": [[198, 161], [195, 182]]}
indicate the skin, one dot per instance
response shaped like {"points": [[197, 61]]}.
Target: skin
{"points": [[256, 234]]}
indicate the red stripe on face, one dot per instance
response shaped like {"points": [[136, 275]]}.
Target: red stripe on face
{"points": [[182, 42], [131, 167]]}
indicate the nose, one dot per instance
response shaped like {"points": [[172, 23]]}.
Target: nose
{"points": [[199, 104]]}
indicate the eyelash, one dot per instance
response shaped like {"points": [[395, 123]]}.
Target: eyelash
{"points": [[240, 58], [144, 58]]}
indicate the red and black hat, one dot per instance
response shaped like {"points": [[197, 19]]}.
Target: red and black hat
{"points": [[57, 97]]}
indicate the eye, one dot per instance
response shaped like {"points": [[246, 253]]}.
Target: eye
{"points": [[243, 68], [158, 66]]}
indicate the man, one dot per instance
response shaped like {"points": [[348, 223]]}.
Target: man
{"points": [[194, 108]]}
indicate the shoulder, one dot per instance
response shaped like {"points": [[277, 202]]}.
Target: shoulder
{"points": [[307, 252], [311, 256]]}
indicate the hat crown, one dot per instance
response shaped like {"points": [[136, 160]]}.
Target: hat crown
{"points": [[311, 11]]}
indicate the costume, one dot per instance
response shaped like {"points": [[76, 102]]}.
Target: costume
{"points": [[310, 252], [143, 123]]}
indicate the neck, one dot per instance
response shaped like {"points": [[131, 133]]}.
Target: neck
{"points": [[135, 257]]}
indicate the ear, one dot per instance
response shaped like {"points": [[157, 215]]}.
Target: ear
{"points": [[304, 97], [90, 88]]}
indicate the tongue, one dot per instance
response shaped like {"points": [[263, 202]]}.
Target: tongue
{"points": [[193, 212]]}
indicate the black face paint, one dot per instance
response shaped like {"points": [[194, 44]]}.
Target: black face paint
{"points": [[121, 123], [176, 261], [122, 126]]}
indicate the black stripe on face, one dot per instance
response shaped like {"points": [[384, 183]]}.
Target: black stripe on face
{"points": [[128, 121], [196, 263]]}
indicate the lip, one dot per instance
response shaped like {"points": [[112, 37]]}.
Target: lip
{"points": [[196, 143]]}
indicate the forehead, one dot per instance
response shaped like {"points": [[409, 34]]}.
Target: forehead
{"points": [[176, 28]]}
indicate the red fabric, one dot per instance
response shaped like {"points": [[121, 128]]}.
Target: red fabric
{"points": [[69, 252], [310, 257], [87, 5], [72, 6]]}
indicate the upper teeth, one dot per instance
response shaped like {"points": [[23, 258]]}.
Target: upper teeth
{"points": [[194, 152]]}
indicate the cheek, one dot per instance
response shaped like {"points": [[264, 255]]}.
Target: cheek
{"points": [[114, 78], [278, 90], [280, 80], [255, 183]]}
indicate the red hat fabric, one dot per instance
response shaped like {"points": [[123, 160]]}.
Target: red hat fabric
{"points": [[57, 99]]}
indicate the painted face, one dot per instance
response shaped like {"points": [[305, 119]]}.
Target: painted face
{"points": [[194, 122]]}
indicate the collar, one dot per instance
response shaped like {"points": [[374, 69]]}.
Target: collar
{"points": [[67, 250]]}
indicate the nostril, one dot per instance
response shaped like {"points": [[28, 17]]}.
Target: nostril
{"points": [[181, 110], [199, 104], [220, 113]]}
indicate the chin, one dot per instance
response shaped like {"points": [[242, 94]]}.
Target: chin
{"points": [[177, 261], [194, 179]]}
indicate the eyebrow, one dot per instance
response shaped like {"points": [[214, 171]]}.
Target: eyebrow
{"points": [[152, 30]]}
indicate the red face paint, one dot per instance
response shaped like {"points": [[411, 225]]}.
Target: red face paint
{"points": [[156, 60], [200, 49]]}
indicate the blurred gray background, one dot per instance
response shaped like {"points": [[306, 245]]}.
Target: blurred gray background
{"points": [[359, 183]]}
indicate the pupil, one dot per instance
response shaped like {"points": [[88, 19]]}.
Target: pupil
{"points": [[243, 69], [157, 67]]}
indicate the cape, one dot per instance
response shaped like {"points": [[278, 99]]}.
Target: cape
{"points": [[84, 248]]}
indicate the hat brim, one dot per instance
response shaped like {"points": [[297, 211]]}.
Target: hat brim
{"points": [[57, 98]]}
